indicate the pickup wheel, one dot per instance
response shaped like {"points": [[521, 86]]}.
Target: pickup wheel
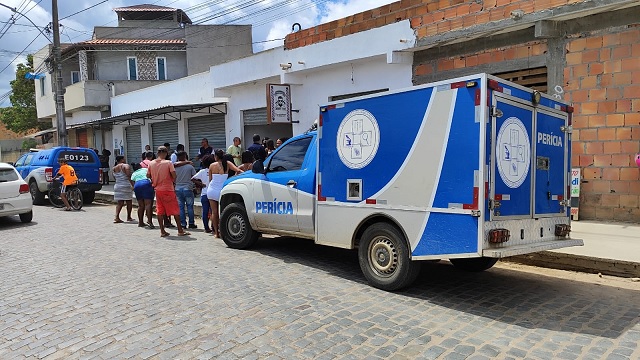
{"points": [[235, 228], [384, 258], [37, 197], [474, 264], [88, 197]]}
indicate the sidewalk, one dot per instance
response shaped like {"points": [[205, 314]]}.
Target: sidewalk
{"points": [[609, 248]]}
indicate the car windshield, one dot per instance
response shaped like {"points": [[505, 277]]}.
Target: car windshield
{"points": [[8, 175]]}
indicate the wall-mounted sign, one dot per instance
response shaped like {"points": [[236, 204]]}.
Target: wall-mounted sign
{"points": [[279, 103], [575, 193]]}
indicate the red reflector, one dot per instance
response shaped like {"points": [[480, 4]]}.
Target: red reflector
{"points": [[497, 236], [24, 188], [568, 109], [458, 85], [498, 197], [331, 107], [100, 176], [371, 201], [320, 120], [494, 85], [320, 197], [477, 98], [560, 197]]}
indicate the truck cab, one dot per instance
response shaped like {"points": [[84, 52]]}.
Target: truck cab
{"points": [[278, 196]]}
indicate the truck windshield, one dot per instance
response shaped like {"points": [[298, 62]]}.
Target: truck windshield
{"points": [[291, 156]]}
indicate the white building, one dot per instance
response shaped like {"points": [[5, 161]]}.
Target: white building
{"points": [[230, 99]]}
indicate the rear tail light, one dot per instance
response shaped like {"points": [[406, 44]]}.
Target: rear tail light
{"points": [[24, 188], [48, 174], [100, 176], [497, 236], [562, 230]]}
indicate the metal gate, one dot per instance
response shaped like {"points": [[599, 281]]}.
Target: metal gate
{"points": [[255, 122], [133, 143], [164, 132], [210, 127], [255, 117]]}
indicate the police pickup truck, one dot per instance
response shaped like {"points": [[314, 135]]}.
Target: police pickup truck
{"points": [[470, 170]]}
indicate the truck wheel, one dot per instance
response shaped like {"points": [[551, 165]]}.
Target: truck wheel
{"points": [[474, 264], [36, 196], [88, 197], [384, 258], [235, 228]]}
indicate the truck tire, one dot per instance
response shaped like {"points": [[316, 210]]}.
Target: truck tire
{"points": [[474, 264], [88, 197], [36, 196], [235, 228], [384, 258]]}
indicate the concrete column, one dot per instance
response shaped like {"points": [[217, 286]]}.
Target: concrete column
{"points": [[82, 61]]}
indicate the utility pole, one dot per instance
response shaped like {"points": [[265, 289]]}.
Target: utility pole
{"points": [[57, 74]]}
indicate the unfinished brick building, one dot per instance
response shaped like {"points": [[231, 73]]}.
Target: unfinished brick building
{"points": [[586, 52]]}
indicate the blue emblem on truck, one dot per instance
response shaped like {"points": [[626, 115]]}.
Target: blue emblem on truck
{"points": [[274, 207]]}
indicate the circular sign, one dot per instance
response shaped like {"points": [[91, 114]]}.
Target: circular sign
{"points": [[358, 139], [513, 152]]}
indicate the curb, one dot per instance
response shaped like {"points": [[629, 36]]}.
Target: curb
{"points": [[587, 264], [546, 259]]}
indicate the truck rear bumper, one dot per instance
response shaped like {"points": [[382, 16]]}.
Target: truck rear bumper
{"points": [[530, 248]]}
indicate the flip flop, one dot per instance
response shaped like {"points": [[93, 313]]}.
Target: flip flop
{"points": [[150, 226], [164, 234], [130, 220], [117, 221], [184, 233]]}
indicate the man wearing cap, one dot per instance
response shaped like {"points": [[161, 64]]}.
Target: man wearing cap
{"points": [[162, 175]]}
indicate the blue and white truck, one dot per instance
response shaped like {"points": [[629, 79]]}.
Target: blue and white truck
{"points": [[471, 170]]}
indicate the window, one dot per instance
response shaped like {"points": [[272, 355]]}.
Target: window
{"points": [[42, 93], [132, 66], [20, 161], [8, 175], [27, 161], [161, 68], [291, 156], [75, 77]]}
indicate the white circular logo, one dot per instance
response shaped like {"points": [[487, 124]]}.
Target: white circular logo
{"points": [[513, 152], [358, 139]]}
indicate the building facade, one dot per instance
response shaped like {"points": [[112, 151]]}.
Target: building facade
{"points": [[585, 52]]}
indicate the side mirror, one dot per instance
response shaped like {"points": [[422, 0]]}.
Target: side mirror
{"points": [[258, 167]]}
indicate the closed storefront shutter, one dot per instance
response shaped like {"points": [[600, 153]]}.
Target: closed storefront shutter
{"points": [[210, 127], [133, 144], [255, 117], [164, 132], [81, 137]]}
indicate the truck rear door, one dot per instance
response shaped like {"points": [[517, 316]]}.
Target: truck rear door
{"points": [[551, 171]]}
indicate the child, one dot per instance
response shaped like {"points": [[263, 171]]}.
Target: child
{"points": [[69, 178]]}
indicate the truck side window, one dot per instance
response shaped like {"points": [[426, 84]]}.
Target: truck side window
{"points": [[291, 156], [27, 161]]}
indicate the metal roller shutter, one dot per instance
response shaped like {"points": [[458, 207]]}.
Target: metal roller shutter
{"points": [[210, 127], [133, 144], [164, 132], [255, 117]]}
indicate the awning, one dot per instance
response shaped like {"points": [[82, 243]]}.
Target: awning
{"points": [[169, 112], [43, 132]]}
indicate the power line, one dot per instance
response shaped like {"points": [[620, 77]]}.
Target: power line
{"points": [[85, 9], [17, 56]]}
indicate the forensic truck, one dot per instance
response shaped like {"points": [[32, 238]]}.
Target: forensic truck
{"points": [[471, 170]]}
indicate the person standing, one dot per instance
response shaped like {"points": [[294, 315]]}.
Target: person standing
{"points": [[174, 155], [217, 176], [236, 151], [270, 147], [257, 149], [162, 175], [204, 150], [247, 161], [123, 189], [184, 190], [144, 195], [104, 164], [201, 181], [148, 156]]}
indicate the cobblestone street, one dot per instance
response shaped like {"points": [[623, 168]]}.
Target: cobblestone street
{"points": [[74, 285]]}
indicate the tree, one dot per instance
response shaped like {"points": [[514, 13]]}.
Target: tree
{"points": [[21, 115]]}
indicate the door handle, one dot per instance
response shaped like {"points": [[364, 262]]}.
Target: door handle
{"points": [[292, 183]]}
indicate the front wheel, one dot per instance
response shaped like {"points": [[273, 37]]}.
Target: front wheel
{"points": [[235, 228], [54, 195], [474, 264], [384, 258]]}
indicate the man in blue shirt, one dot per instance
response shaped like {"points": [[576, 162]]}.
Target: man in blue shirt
{"points": [[259, 153]]}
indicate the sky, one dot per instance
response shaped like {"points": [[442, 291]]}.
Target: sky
{"points": [[271, 21]]}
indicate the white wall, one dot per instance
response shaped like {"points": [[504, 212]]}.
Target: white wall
{"points": [[193, 89]]}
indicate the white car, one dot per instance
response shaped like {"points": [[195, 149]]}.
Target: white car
{"points": [[15, 198]]}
